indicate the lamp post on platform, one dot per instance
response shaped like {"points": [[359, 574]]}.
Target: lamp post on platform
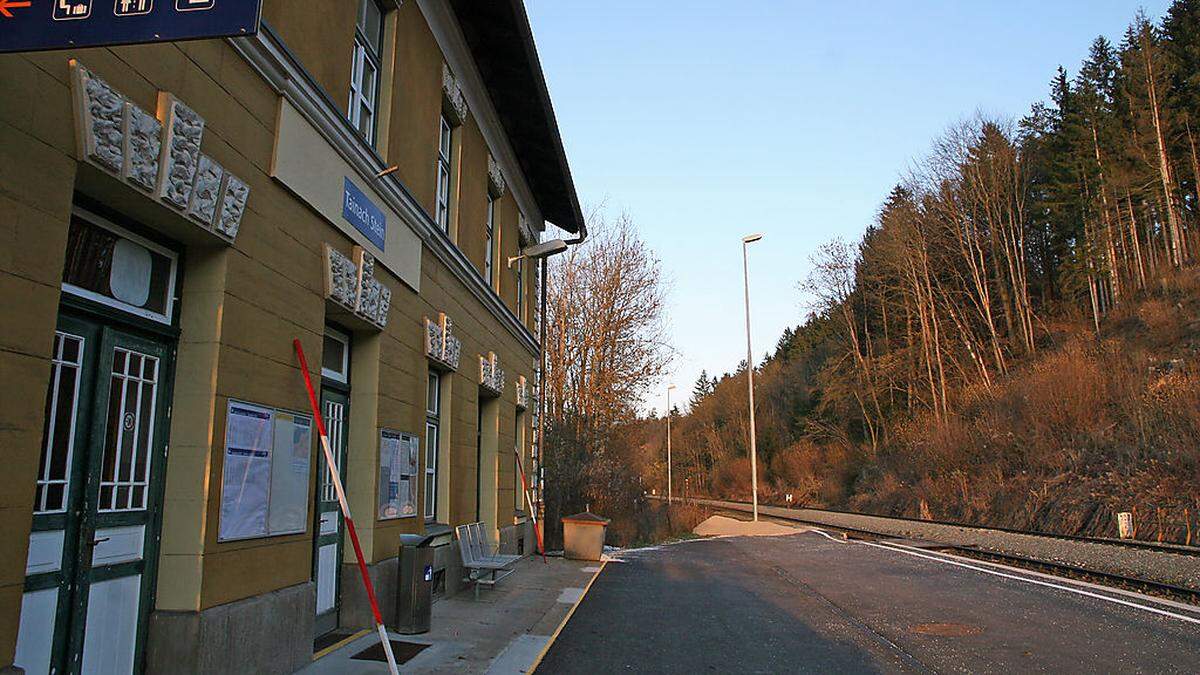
{"points": [[746, 241], [669, 388]]}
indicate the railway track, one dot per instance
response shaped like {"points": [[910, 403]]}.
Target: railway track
{"points": [[1162, 547], [1090, 573], [1142, 544]]}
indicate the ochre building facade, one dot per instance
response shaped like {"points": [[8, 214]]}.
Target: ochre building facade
{"points": [[173, 217]]}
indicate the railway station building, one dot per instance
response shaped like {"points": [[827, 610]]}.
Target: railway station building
{"points": [[356, 176]]}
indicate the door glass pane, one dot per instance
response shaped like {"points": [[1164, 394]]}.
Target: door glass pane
{"points": [[125, 469], [335, 414], [108, 267], [431, 445], [333, 358], [430, 495], [364, 119], [62, 403], [444, 138], [367, 87], [431, 394]]}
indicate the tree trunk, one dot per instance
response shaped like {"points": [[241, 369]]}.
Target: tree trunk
{"points": [[1164, 161]]}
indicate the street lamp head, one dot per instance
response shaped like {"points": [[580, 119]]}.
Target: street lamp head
{"points": [[539, 251], [751, 238], [670, 387]]}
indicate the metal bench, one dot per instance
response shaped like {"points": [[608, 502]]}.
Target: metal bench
{"points": [[485, 549], [483, 566]]}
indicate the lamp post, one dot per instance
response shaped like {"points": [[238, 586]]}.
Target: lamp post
{"points": [[669, 388], [746, 241]]}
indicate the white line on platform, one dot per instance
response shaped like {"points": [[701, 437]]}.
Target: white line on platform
{"points": [[827, 536], [570, 596], [1189, 609], [899, 548]]}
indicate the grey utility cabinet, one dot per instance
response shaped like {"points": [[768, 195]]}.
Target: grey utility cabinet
{"points": [[414, 597]]}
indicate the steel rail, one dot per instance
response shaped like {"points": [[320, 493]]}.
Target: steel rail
{"points": [[1159, 547]]}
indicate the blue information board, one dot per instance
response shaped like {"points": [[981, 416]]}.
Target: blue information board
{"points": [[34, 25], [363, 214]]}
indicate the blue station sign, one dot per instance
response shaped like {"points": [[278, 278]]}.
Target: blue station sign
{"points": [[35, 25], [363, 214]]}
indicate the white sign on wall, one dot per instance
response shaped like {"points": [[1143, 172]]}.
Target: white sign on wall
{"points": [[312, 169], [265, 479]]}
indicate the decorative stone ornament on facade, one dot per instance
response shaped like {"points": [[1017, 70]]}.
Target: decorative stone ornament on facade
{"points": [[522, 393], [351, 283], [495, 177], [440, 344], [159, 156], [454, 95], [491, 375]]}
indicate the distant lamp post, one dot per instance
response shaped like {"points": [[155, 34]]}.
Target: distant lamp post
{"points": [[746, 241], [669, 388]]}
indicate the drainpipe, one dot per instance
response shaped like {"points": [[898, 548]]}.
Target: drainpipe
{"points": [[541, 402], [583, 233]]}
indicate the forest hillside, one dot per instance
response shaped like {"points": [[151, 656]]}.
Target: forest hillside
{"points": [[1013, 341]]}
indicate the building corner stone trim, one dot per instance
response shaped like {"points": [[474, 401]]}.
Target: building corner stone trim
{"points": [[454, 94], [350, 282], [522, 393], [440, 345], [157, 156], [495, 177], [491, 375]]}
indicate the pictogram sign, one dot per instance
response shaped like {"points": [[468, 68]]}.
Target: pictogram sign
{"points": [[35, 25]]}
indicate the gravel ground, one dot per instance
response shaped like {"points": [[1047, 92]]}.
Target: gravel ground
{"points": [[722, 526], [1170, 568]]}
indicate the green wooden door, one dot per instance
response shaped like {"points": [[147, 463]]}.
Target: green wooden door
{"points": [[328, 528], [97, 514]]}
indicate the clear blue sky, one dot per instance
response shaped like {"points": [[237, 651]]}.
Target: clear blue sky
{"points": [[706, 120]]}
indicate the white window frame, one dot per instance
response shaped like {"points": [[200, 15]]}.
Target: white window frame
{"points": [[444, 168], [115, 482], [522, 226], [364, 56], [521, 290], [489, 234], [432, 449], [107, 224], [518, 455], [58, 364], [343, 376]]}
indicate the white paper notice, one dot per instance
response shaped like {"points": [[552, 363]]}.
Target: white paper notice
{"points": [[397, 474], [246, 483], [288, 510], [408, 495]]}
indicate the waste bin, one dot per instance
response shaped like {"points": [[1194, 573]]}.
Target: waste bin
{"points": [[415, 594], [583, 536]]}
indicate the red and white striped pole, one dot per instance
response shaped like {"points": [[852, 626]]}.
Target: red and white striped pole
{"points": [[341, 495], [537, 530]]}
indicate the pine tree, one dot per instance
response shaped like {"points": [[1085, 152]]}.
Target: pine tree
{"points": [[702, 389], [1151, 127], [1181, 44]]}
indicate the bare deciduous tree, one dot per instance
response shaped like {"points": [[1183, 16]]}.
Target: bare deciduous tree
{"points": [[606, 346]]}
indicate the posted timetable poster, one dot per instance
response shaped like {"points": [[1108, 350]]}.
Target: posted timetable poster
{"points": [[264, 485], [398, 456]]}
